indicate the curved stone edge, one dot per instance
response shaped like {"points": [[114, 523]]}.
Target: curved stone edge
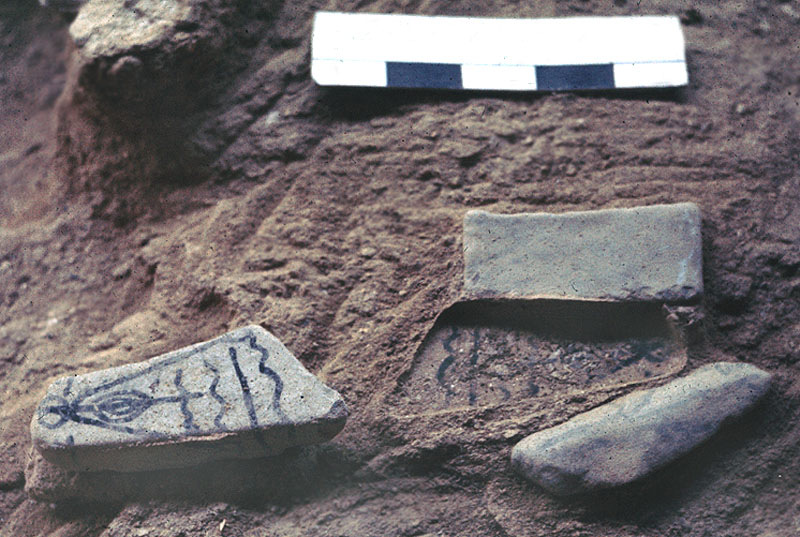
{"points": [[627, 439]]}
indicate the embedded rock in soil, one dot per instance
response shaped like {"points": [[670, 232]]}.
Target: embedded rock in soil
{"points": [[161, 55], [631, 437], [643, 253], [241, 395], [109, 29]]}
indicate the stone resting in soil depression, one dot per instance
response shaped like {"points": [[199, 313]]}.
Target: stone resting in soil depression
{"points": [[240, 395], [244, 395], [629, 438], [645, 253]]}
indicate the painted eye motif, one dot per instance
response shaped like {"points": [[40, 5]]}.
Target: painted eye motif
{"points": [[54, 411], [122, 406]]}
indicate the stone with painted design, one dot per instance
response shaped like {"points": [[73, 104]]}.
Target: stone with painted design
{"points": [[240, 395]]}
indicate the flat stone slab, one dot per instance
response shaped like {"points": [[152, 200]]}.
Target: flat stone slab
{"points": [[626, 439], [241, 395], [643, 253]]}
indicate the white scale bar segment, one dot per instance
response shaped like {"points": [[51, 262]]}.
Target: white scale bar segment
{"points": [[489, 53], [651, 75], [498, 77], [349, 73]]}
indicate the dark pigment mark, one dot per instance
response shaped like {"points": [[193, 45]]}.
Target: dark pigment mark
{"points": [[248, 400], [265, 370], [447, 362], [68, 387], [500, 363], [506, 393], [163, 364], [107, 412], [473, 362], [221, 400], [473, 358], [114, 410], [188, 418]]}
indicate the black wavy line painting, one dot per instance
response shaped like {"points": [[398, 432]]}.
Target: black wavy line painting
{"points": [[469, 365], [114, 407]]}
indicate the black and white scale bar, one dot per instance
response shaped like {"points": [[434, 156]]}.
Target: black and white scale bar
{"points": [[414, 51]]}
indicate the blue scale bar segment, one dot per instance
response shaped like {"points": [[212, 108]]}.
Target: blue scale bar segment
{"points": [[574, 77], [548, 77], [423, 75]]}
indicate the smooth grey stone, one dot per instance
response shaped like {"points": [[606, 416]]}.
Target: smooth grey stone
{"points": [[626, 439], [644, 253], [240, 395]]}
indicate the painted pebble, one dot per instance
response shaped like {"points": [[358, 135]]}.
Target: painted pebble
{"points": [[241, 395]]}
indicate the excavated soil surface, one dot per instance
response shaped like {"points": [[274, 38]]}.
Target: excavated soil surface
{"points": [[482, 354], [132, 225]]}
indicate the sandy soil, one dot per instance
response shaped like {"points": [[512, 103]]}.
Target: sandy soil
{"points": [[333, 219]]}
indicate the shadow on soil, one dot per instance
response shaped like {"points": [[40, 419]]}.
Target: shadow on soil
{"points": [[360, 104], [295, 475], [567, 319], [668, 490]]}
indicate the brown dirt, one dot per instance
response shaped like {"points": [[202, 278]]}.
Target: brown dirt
{"points": [[333, 218]]}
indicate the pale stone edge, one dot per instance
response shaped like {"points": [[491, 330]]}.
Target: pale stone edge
{"points": [[192, 451], [690, 210]]}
